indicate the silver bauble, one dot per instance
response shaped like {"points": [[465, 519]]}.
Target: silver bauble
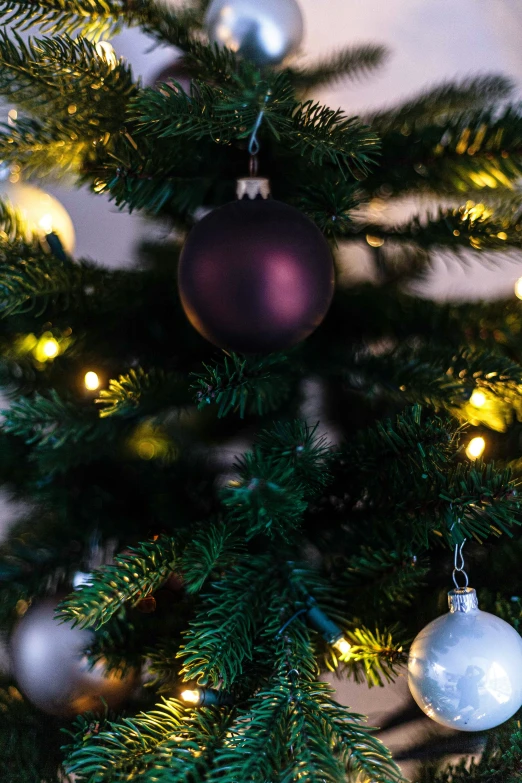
{"points": [[265, 31], [52, 671], [465, 668]]}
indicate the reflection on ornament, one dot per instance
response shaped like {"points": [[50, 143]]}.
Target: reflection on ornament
{"points": [[518, 288], [255, 275], [465, 668], [91, 380], [265, 31], [478, 399], [42, 213], [52, 670], [475, 448], [105, 51]]}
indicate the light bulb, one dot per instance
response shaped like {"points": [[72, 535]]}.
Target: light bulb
{"points": [[518, 288], [191, 697], [105, 50], [91, 380], [475, 448], [343, 646], [477, 399], [46, 223], [50, 348]]}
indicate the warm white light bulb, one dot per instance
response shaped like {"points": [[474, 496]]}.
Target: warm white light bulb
{"points": [[46, 223], [518, 288], [191, 697], [478, 399], [475, 448], [91, 380], [343, 646], [50, 348], [105, 50]]}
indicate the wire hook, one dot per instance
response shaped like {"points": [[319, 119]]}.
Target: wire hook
{"points": [[253, 144], [458, 565]]}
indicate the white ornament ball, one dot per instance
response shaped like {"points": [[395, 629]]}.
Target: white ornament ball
{"points": [[265, 31], [465, 668], [41, 212], [52, 670]]}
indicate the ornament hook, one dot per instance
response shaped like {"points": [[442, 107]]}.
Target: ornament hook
{"points": [[458, 566], [253, 144]]}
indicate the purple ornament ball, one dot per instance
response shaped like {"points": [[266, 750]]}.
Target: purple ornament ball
{"points": [[256, 276]]}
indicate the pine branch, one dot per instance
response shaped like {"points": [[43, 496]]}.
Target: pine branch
{"points": [[476, 151], [36, 76], [374, 657], [243, 384], [134, 575], [265, 498], [442, 101], [51, 421], [472, 226], [330, 204], [169, 743], [42, 150], [33, 281], [99, 18], [215, 548], [440, 377], [221, 638], [141, 392], [352, 63], [427, 489], [229, 113], [296, 445]]}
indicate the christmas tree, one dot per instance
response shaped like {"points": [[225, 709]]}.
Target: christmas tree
{"points": [[371, 441]]}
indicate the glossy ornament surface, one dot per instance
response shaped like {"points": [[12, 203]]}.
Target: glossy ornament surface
{"points": [[42, 212], [52, 671], [264, 31], [256, 275], [465, 668]]}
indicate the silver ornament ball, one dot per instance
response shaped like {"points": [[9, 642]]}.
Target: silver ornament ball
{"points": [[264, 31], [465, 668], [52, 671]]}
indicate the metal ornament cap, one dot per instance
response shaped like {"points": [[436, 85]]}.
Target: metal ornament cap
{"points": [[465, 668], [253, 187], [463, 599]]}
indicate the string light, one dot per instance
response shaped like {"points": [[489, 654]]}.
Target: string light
{"points": [[91, 380], [205, 697], [51, 348], [191, 697], [105, 50], [475, 448], [46, 223], [518, 288], [478, 399], [343, 646]]}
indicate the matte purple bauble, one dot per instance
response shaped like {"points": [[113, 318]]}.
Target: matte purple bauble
{"points": [[256, 276]]}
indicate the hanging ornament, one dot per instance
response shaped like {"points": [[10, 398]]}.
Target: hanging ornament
{"points": [[264, 31], [465, 668], [175, 74], [255, 275], [43, 214], [52, 671]]}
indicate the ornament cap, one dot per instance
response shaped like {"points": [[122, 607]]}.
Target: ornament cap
{"points": [[253, 187], [463, 599]]}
